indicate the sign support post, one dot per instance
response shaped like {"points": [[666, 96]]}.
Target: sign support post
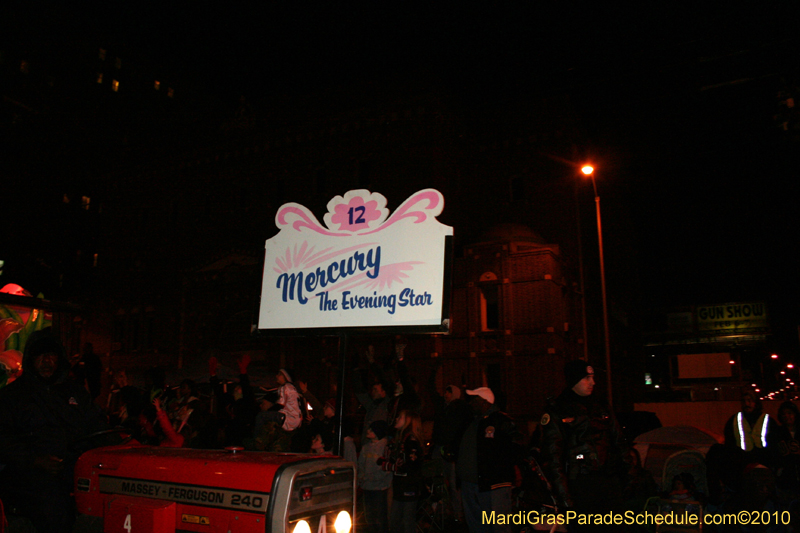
{"points": [[338, 446]]}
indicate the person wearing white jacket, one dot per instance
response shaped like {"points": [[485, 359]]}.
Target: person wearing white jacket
{"points": [[289, 399]]}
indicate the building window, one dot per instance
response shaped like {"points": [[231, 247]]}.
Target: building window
{"points": [[99, 77], [102, 54], [118, 63], [170, 92], [94, 260], [156, 85], [85, 202], [490, 307], [114, 85]]}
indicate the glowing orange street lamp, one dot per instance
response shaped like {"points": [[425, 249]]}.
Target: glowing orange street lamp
{"points": [[588, 171]]}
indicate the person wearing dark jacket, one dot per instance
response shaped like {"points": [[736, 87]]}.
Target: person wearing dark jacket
{"points": [[788, 444], [451, 417], [487, 455], [583, 447], [44, 417], [405, 461]]}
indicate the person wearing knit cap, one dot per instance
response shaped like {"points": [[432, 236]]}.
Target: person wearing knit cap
{"points": [[44, 415], [583, 448], [487, 456]]}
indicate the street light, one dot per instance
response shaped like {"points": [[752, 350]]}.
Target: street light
{"points": [[588, 171]]}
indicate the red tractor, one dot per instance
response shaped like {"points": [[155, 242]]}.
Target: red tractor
{"points": [[158, 490]]}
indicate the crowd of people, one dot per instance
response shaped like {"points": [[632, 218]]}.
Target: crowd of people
{"points": [[576, 458]]}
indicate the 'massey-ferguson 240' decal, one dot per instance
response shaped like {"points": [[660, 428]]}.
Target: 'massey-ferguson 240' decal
{"points": [[363, 268], [191, 494]]}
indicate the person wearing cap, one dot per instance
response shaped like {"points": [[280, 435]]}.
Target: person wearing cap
{"points": [[44, 419], [488, 452], [583, 447]]}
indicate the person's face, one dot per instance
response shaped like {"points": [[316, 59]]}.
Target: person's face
{"points": [[377, 392], [184, 391], [316, 444], [328, 411], [787, 417], [448, 395], [400, 422], [121, 379], [748, 404], [479, 405], [280, 378], [46, 364], [371, 434], [585, 386]]}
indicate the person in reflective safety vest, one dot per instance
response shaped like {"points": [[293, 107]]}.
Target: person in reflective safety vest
{"points": [[750, 429]]}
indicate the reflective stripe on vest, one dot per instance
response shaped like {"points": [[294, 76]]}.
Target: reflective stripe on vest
{"points": [[749, 438]]}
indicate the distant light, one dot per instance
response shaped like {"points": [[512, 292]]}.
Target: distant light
{"points": [[754, 385], [788, 379], [658, 386], [716, 388], [758, 390], [774, 356], [732, 362], [790, 365], [791, 383], [587, 170], [783, 372]]}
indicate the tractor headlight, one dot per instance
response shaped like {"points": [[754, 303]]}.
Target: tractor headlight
{"points": [[302, 527], [343, 524]]}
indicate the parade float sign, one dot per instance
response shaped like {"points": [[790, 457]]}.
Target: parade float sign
{"points": [[363, 268]]}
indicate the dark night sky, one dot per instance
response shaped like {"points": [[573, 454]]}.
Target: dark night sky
{"points": [[679, 102]]}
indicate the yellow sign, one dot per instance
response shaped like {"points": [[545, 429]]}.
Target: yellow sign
{"points": [[194, 519], [732, 317]]}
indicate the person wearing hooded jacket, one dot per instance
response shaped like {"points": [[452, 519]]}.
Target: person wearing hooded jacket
{"points": [[583, 448], [44, 417]]}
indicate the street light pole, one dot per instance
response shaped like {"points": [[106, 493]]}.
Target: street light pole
{"points": [[589, 171]]}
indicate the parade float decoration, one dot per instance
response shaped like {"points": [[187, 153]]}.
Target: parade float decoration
{"points": [[16, 325], [365, 267]]}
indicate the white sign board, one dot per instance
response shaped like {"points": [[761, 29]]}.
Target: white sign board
{"points": [[363, 268]]}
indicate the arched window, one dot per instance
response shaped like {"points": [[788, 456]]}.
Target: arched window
{"points": [[490, 302]]}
